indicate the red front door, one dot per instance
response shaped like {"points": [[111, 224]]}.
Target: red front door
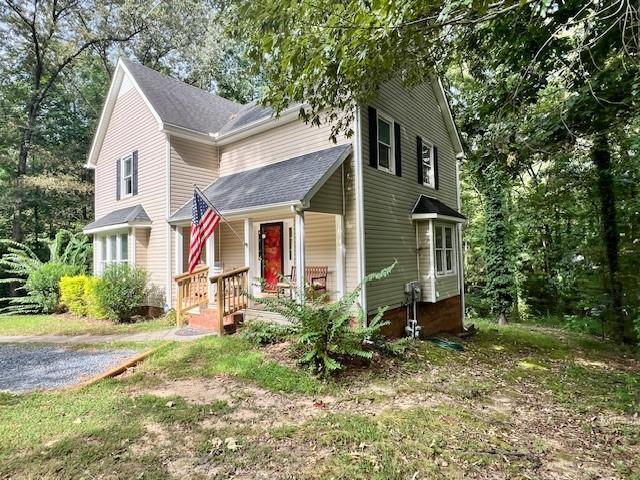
{"points": [[272, 253]]}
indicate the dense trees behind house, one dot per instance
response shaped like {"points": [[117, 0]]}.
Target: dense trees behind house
{"points": [[544, 92]]}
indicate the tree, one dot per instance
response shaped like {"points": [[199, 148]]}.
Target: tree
{"points": [[48, 38]]}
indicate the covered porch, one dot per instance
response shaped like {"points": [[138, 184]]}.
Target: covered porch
{"points": [[294, 222]]}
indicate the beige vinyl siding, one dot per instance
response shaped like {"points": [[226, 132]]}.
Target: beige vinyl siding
{"points": [[388, 199], [351, 280], [280, 143], [328, 199], [229, 248], [320, 244], [191, 163], [133, 127], [142, 245]]}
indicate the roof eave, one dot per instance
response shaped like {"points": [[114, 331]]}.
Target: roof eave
{"points": [[263, 124], [117, 226], [243, 211], [437, 216]]}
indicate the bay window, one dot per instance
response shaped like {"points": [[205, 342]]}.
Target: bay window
{"points": [[114, 248], [444, 252]]}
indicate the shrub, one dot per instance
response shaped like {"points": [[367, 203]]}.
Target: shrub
{"points": [[324, 330], [94, 310], [120, 291], [43, 284], [69, 254], [265, 333], [72, 294]]}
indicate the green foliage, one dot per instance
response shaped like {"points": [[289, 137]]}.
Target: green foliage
{"points": [[72, 294], [120, 291], [68, 254], [325, 331], [265, 333], [93, 307], [43, 285]]}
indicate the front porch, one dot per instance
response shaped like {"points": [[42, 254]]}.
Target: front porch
{"points": [[261, 254]]}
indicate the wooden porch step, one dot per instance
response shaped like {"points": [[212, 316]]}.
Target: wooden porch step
{"points": [[207, 319]]}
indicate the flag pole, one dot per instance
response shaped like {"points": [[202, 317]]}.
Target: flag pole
{"points": [[204, 197]]}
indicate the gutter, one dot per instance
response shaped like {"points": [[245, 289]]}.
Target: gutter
{"points": [[244, 211]]}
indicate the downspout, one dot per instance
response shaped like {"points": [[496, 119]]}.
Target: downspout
{"points": [[357, 159], [460, 248], [169, 292]]}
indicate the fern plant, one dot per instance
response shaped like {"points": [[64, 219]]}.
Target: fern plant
{"points": [[330, 333], [37, 280]]}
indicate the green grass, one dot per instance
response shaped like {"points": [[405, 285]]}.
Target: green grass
{"points": [[431, 415], [70, 325], [232, 356]]}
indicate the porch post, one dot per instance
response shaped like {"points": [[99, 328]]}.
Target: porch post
{"points": [[179, 249], [340, 256], [248, 245], [300, 263], [211, 258]]}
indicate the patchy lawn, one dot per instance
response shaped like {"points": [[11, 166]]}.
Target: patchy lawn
{"points": [[519, 402], [72, 325]]}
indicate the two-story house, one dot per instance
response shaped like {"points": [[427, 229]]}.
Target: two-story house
{"points": [[291, 197]]}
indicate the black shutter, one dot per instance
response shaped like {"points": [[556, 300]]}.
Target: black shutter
{"points": [[118, 189], [435, 167], [134, 176], [373, 137], [398, 148], [419, 157]]}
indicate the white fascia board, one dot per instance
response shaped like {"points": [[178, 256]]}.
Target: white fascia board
{"points": [[107, 110], [241, 212], [118, 226], [187, 133], [288, 115], [436, 216], [448, 116]]}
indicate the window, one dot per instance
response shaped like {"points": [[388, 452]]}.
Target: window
{"points": [[385, 143], [114, 248], [427, 164], [127, 175], [445, 258]]}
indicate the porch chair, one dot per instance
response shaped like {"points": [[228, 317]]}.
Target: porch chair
{"points": [[316, 277]]}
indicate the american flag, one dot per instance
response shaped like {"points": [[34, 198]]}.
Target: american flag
{"points": [[204, 220]]}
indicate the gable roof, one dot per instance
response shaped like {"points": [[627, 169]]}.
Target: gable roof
{"points": [[289, 182], [429, 207], [185, 110], [135, 215], [179, 104]]}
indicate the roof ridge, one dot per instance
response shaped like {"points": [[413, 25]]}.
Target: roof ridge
{"points": [[169, 77]]}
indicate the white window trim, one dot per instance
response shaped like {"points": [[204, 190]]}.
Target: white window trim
{"points": [[392, 139], [123, 193], [445, 272], [432, 176], [106, 239]]}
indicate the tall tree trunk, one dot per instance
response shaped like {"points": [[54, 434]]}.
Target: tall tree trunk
{"points": [[23, 156], [499, 272], [601, 157]]}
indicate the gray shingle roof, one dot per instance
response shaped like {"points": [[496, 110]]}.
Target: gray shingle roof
{"points": [[180, 104], [118, 217], [288, 181], [249, 113], [431, 205]]}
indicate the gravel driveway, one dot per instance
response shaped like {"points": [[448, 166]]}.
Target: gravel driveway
{"points": [[33, 367]]}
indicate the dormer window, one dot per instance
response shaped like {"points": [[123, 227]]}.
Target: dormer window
{"points": [[127, 175]]}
